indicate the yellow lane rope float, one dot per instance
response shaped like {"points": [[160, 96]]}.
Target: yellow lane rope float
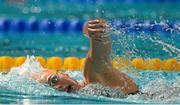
{"points": [[71, 63], [54, 63], [74, 63], [18, 61], [6, 63]]}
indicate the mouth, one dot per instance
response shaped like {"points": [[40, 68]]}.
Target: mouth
{"points": [[68, 88]]}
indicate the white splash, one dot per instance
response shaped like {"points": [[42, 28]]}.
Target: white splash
{"points": [[30, 65], [18, 81], [101, 90]]}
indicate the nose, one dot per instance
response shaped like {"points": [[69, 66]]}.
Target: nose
{"points": [[69, 81], [66, 80], [58, 87]]}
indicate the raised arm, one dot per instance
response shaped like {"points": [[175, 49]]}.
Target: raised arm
{"points": [[98, 67], [100, 43]]}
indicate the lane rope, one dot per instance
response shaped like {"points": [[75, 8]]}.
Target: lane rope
{"points": [[76, 25], [75, 63]]}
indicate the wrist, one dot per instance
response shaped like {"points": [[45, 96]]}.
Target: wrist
{"points": [[104, 40]]}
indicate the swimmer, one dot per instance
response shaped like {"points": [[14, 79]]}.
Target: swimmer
{"points": [[97, 68]]}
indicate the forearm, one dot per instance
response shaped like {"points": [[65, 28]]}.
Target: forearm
{"points": [[100, 50]]}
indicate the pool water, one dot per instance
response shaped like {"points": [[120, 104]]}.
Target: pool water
{"points": [[162, 45], [18, 88]]}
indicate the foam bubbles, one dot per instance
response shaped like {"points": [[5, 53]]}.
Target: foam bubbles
{"points": [[18, 80], [101, 90], [29, 66], [160, 90]]}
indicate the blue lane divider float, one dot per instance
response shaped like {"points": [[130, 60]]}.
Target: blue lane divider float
{"points": [[62, 25], [47, 25], [33, 25], [5, 24], [146, 26]]}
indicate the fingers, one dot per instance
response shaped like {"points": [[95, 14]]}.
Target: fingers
{"points": [[97, 25], [95, 31], [94, 21]]}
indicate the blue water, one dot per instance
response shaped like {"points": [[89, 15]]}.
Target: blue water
{"points": [[44, 44], [146, 45], [17, 88]]}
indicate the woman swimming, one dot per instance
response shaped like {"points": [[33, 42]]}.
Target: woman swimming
{"points": [[97, 68]]}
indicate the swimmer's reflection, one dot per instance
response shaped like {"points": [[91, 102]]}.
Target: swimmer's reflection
{"points": [[97, 68]]}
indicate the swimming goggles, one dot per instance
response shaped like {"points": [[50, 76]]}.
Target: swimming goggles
{"points": [[53, 79]]}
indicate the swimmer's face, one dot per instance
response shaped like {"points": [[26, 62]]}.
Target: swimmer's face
{"points": [[60, 81]]}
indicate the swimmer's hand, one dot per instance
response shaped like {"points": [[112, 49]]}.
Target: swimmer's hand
{"points": [[96, 29]]}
